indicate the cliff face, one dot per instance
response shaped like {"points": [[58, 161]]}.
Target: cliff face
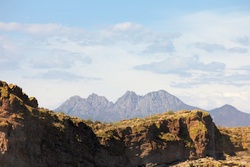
{"points": [[159, 139], [32, 136]]}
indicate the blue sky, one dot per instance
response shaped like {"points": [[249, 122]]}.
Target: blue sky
{"points": [[196, 50]]}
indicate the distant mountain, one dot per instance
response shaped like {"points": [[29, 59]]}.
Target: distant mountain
{"points": [[130, 105], [229, 116], [93, 107]]}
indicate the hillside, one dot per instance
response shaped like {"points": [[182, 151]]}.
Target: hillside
{"points": [[229, 116], [32, 136]]}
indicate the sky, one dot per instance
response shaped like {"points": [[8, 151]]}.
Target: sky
{"points": [[197, 50]]}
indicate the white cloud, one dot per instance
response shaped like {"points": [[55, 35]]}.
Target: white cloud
{"points": [[118, 34], [61, 75], [127, 26], [183, 66], [243, 40], [39, 29], [239, 78], [56, 58], [10, 26], [159, 47], [209, 47], [213, 47], [133, 34], [9, 60], [238, 50]]}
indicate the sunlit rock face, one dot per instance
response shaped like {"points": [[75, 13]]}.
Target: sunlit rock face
{"points": [[159, 139]]}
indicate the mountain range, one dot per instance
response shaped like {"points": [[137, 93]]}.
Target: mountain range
{"points": [[131, 105]]}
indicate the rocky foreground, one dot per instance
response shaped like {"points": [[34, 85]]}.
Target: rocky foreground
{"points": [[32, 136]]}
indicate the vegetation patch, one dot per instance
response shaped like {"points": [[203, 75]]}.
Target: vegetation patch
{"points": [[3, 123], [198, 128], [168, 136]]}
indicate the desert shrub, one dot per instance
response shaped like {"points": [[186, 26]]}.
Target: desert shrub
{"points": [[170, 112], [167, 136]]}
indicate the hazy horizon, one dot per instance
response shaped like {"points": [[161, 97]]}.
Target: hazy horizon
{"points": [[195, 50]]}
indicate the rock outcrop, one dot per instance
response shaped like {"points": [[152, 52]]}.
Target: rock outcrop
{"points": [[32, 136], [159, 139]]}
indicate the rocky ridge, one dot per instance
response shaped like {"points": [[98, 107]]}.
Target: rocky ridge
{"points": [[130, 105], [33, 136]]}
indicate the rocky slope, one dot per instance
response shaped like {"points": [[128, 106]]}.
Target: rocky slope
{"points": [[32, 136]]}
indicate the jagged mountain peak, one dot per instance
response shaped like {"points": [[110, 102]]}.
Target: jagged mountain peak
{"points": [[95, 97], [73, 100], [128, 94], [128, 100], [127, 106], [76, 97], [161, 91], [161, 94]]}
